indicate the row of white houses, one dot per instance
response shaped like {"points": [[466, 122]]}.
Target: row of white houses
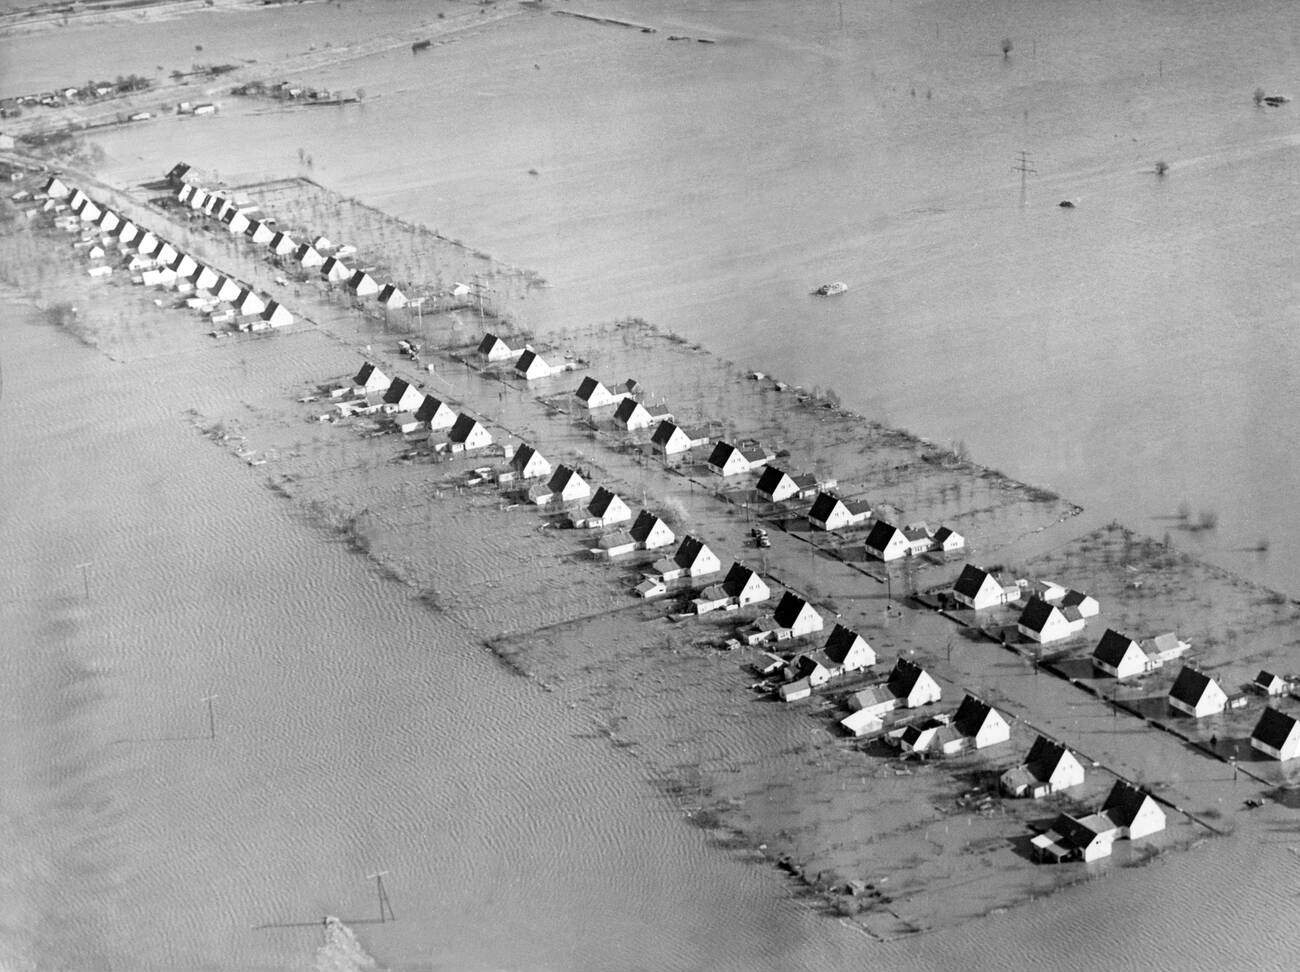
{"points": [[244, 218], [155, 262]]}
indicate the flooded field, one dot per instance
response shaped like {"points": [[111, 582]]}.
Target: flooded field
{"points": [[1132, 353]]}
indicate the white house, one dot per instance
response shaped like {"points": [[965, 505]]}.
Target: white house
{"points": [[492, 348], [947, 540], [775, 486], [887, 542], [437, 414], [829, 512], [391, 297], [361, 284], [335, 270], [528, 463], [370, 380], [744, 587], [632, 415], [651, 532], [308, 256], [693, 559], [1120, 656], [980, 723], [468, 432], [531, 366], [593, 394], [1086, 606], [848, 649], [1133, 811], [402, 396], [1196, 694], [249, 303], [282, 244], [1277, 734], [912, 685], [670, 439], [275, 314], [227, 290], [1048, 768], [795, 615], [729, 460], [607, 509], [978, 589], [1266, 683], [1043, 622], [861, 722], [567, 485], [205, 278]]}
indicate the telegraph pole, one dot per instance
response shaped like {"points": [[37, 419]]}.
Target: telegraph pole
{"points": [[1025, 166], [385, 906], [85, 578], [212, 721]]}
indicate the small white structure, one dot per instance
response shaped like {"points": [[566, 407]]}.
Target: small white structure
{"points": [[334, 270], [912, 685], [276, 315], [308, 256], [947, 540], [282, 244], [468, 433], [797, 616], [1277, 734], [743, 586], [775, 486], [227, 290], [1196, 694], [1086, 605], [249, 303], [887, 542], [980, 724], [1268, 684]]}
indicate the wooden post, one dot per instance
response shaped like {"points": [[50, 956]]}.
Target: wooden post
{"points": [[212, 721]]}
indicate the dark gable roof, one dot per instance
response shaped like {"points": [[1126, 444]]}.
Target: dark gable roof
{"points": [[560, 478], [970, 581], [904, 677], [1044, 756], [385, 294], [526, 359], [587, 387], [971, 715], [721, 453], [429, 408], [364, 374], [626, 408], [737, 577], [1112, 647], [840, 642], [397, 389], [600, 503], [1079, 832], [487, 344], [1189, 686], [880, 535], [1123, 803], [823, 506], [770, 479], [1035, 615], [787, 612], [664, 432], [942, 534], [464, 425], [1274, 728], [690, 549], [645, 522], [1073, 598]]}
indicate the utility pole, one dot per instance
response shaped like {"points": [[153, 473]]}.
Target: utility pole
{"points": [[212, 721], [85, 578], [1025, 166], [385, 906]]}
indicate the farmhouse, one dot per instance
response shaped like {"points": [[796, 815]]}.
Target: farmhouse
{"points": [[912, 686], [492, 348], [796, 616], [693, 559], [978, 589], [1048, 768], [606, 509], [531, 366], [468, 432], [370, 379], [946, 540], [775, 486], [1120, 656], [887, 542], [528, 463], [728, 460], [1276, 734], [593, 394], [567, 485], [670, 439], [1266, 683], [980, 724], [848, 649], [743, 586], [632, 415], [1086, 606], [829, 512], [1196, 694], [1043, 622], [1086, 838], [403, 396], [651, 532], [436, 414], [282, 244], [1133, 811]]}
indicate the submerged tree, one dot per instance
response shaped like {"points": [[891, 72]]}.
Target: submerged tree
{"points": [[1162, 167], [1006, 47], [1259, 97]]}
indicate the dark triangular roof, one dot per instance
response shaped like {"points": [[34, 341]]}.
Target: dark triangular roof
{"points": [[664, 432], [787, 612], [396, 390], [971, 715], [688, 551], [1190, 686], [588, 387], [840, 642], [1274, 728], [721, 453], [600, 503], [737, 577], [904, 677], [823, 506], [627, 408], [770, 479], [1123, 803], [645, 522], [880, 535], [971, 580], [461, 429], [1112, 647], [430, 407], [1044, 756], [1035, 615]]}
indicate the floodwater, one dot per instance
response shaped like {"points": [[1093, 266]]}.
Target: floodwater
{"points": [[1135, 352]]}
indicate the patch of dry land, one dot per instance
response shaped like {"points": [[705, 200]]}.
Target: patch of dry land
{"points": [[902, 844]]}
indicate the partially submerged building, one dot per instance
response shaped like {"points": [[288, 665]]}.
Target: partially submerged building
{"points": [[1048, 768], [829, 512]]}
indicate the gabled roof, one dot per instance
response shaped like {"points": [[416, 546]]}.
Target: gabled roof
{"points": [[840, 642], [737, 577], [561, 478], [770, 480], [665, 432], [943, 533], [788, 610], [523, 455], [396, 390], [645, 522], [690, 550], [1266, 679], [880, 535], [1036, 614], [602, 501], [1073, 598], [1044, 756], [971, 715], [1163, 643], [722, 451], [464, 426], [489, 343], [823, 506], [971, 580], [1113, 647], [628, 409], [1124, 803], [904, 677], [589, 387], [1190, 686], [430, 407], [1274, 728]]}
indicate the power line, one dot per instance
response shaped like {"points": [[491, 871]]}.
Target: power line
{"points": [[1025, 166]]}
